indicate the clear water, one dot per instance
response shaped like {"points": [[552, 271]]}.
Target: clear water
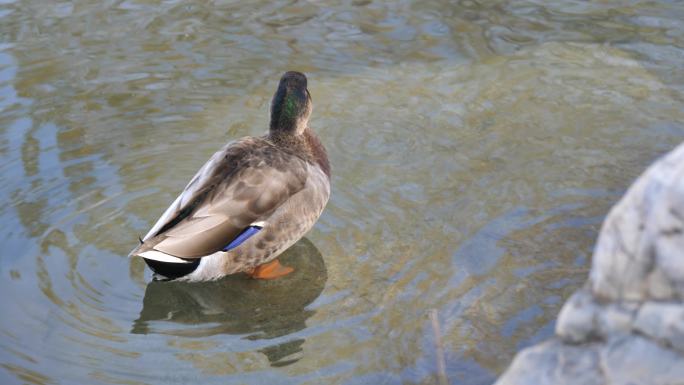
{"points": [[476, 147]]}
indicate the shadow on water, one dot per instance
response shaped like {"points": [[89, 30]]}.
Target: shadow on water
{"points": [[239, 305]]}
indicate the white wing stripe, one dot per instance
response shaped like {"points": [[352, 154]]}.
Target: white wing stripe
{"points": [[162, 257]]}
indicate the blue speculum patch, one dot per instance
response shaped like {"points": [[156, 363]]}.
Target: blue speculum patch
{"points": [[248, 232]]}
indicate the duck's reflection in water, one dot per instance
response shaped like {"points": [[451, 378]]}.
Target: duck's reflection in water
{"points": [[240, 305]]}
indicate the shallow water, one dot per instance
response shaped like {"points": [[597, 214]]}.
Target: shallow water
{"points": [[476, 147]]}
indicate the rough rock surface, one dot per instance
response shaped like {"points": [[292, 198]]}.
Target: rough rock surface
{"points": [[626, 325]]}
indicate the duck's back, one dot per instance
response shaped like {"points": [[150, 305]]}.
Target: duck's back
{"points": [[243, 183]]}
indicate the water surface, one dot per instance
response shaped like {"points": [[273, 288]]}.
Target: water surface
{"points": [[476, 147]]}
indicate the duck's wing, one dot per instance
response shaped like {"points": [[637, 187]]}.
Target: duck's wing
{"points": [[240, 185]]}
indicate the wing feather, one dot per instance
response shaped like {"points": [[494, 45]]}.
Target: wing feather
{"points": [[188, 193]]}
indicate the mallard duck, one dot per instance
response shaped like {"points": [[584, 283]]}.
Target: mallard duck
{"points": [[251, 201]]}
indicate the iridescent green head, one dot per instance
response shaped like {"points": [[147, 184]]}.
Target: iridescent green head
{"points": [[291, 106]]}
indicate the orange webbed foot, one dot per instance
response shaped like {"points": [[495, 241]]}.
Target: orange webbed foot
{"points": [[270, 270]]}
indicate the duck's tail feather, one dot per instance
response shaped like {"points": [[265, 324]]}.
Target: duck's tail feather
{"points": [[171, 270]]}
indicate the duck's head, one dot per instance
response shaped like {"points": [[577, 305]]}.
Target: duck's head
{"points": [[291, 105]]}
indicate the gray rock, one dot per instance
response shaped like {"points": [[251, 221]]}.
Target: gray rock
{"points": [[636, 360], [663, 322], [626, 325], [577, 319], [643, 236], [555, 363]]}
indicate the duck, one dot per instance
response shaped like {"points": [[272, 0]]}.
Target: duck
{"points": [[252, 200]]}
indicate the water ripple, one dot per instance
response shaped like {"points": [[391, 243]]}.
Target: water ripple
{"points": [[475, 150]]}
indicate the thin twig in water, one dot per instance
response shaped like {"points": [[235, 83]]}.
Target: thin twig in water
{"points": [[441, 364]]}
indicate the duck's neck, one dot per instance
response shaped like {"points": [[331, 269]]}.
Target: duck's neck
{"points": [[317, 150], [307, 145]]}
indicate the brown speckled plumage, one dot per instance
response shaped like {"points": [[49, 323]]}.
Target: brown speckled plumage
{"points": [[281, 179]]}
